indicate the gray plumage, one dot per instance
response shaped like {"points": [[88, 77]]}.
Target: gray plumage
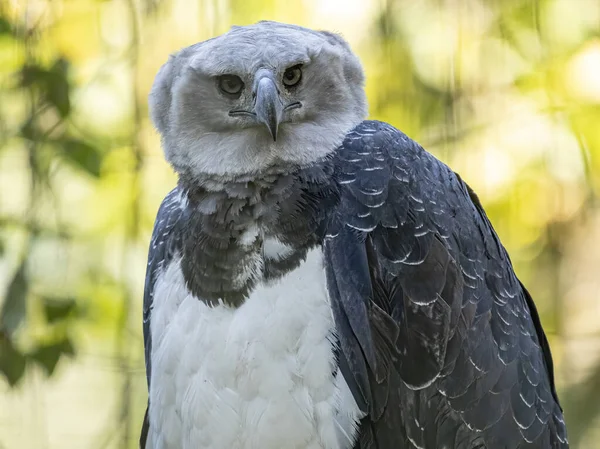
{"points": [[438, 342]]}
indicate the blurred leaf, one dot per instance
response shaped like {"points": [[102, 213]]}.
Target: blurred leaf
{"points": [[58, 87], [82, 154], [48, 355], [5, 26], [53, 83], [31, 74], [12, 362], [57, 309], [13, 309], [28, 130], [1, 246]]}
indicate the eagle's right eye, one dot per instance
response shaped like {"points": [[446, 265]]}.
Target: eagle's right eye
{"points": [[231, 84]]}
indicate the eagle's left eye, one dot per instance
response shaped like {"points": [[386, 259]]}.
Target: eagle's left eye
{"points": [[292, 76]]}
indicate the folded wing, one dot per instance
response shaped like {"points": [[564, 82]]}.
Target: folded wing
{"points": [[441, 343]]}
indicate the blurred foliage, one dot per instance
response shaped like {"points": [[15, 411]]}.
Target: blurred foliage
{"points": [[507, 92]]}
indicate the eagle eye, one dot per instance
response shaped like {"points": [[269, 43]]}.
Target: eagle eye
{"points": [[231, 84], [292, 76]]}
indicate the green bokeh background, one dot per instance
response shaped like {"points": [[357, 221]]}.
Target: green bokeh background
{"points": [[507, 92]]}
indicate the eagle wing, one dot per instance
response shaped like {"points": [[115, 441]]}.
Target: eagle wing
{"points": [[439, 342], [164, 244]]}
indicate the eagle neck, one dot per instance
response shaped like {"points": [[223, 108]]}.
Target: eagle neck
{"points": [[228, 223]]}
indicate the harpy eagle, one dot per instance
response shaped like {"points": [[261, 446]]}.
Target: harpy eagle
{"points": [[318, 280]]}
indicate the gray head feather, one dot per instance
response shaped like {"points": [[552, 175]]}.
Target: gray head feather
{"points": [[200, 136]]}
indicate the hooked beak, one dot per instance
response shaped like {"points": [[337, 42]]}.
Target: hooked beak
{"points": [[268, 107]]}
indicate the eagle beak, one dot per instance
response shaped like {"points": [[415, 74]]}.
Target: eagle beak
{"points": [[268, 106]]}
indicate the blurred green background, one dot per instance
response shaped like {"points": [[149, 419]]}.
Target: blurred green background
{"points": [[507, 92]]}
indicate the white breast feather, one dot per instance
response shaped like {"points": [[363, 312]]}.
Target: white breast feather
{"points": [[256, 377]]}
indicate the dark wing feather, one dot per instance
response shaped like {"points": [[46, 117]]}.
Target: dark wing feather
{"points": [[164, 244], [440, 341]]}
